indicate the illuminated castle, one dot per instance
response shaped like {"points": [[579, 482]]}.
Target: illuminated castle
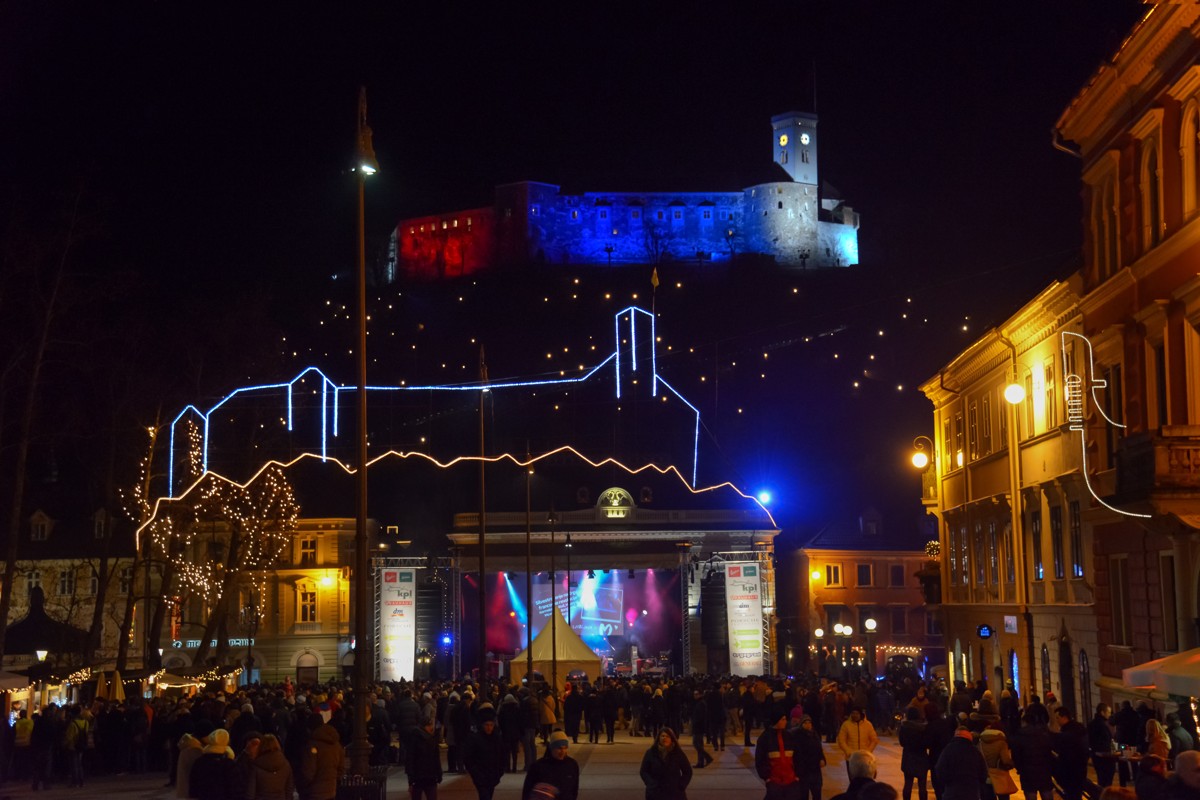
{"points": [[784, 218]]}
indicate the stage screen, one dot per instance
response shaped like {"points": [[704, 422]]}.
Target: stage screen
{"points": [[609, 610]]}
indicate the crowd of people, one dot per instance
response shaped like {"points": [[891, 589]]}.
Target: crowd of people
{"points": [[277, 742]]}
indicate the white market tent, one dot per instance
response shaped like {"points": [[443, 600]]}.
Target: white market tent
{"points": [[573, 653], [1178, 674]]}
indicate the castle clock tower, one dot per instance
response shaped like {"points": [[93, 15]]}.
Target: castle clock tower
{"points": [[794, 144]]}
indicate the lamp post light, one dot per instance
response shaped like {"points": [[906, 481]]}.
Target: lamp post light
{"points": [[568, 545], [923, 452], [819, 633], [360, 746], [553, 520], [249, 625], [870, 625]]}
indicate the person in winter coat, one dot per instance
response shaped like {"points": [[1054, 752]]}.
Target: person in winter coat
{"points": [[700, 730], [1157, 741], [862, 767], [914, 752], [961, 768], [811, 758], [939, 731], [1031, 749], [1151, 783], [271, 775], [777, 756], [857, 734], [509, 720], [1070, 754], [213, 775], [546, 715], [485, 754], [244, 765], [665, 769], [1181, 739], [554, 776], [323, 764], [190, 749], [423, 762], [998, 757], [573, 712], [1100, 742]]}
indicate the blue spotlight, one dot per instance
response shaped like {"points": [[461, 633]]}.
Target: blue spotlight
{"points": [[446, 639], [764, 497]]}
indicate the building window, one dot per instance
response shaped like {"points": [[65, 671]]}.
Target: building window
{"points": [[833, 575], [783, 156], [1035, 527], [986, 422], [899, 621], [952, 553], [896, 576], [864, 575], [1076, 540], [1118, 592], [958, 440], [933, 626], [100, 526], [1010, 561], [1029, 418], [308, 551], [1114, 410], [948, 439], [659, 215], [973, 431], [39, 530], [1002, 424], [1051, 397], [575, 214], [1056, 542], [804, 156], [1187, 153], [635, 213], [1151, 206], [980, 560], [677, 214], [66, 583], [126, 582], [993, 551], [603, 213], [1170, 615], [1160, 382], [33, 580], [964, 555], [306, 603], [706, 213]]}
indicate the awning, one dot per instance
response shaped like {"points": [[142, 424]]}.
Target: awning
{"points": [[11, 682], [1178, 674]]}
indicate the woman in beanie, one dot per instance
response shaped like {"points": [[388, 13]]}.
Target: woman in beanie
{"points": [[666, 771], [554, 776]]}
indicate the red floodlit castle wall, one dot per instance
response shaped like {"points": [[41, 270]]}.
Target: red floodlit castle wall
{"points": [[447, 245]]}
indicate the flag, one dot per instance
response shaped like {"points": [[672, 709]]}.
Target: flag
{"points": [[654, 278]]}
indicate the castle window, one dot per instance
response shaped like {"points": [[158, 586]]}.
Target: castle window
{"points": [[125, 584], [603, 213], [534, 211], [574, 214], [414, 230], [306, 602], [635, 213], [455, 225], [677, 214], [614, 231], [468, 222], [443, 224], [659, 215], [783, 156], [707, 213], [1187, 153], [723, 215], [779, 204], [778, 190], [66, 583], [804, 156], [39, 531], [33, 580]]}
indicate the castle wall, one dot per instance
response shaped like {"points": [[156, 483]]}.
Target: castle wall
{"points": [[781, 220]]}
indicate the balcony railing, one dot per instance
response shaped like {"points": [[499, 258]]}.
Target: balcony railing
{"points": [[1167, 463]]}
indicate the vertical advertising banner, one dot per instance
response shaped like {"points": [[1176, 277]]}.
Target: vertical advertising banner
{"points": [[743, 606], [397, 624]]}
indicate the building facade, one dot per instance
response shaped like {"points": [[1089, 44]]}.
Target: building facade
{"points": [[853, 573], [788, 218], [1134, 128]]}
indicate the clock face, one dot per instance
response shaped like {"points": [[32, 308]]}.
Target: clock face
{"points": [[804, 138], [783, 140]]}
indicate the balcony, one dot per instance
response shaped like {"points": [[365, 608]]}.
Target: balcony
{"points": [[1162, 468], [929, 487]]}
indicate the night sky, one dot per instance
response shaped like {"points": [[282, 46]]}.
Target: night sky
{"points": [[210, 150]]}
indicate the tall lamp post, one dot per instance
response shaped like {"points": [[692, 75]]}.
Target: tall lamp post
{"points": [[360, 746], [553, 520], [819, 633], [568, 545], [869, 624]]}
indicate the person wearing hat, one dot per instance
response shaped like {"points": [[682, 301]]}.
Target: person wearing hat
{"points": [[485, 754], [961, 769], [665, 769], [777, 757], [214, 775], [554, 776], [811, 758], [423, 760]]}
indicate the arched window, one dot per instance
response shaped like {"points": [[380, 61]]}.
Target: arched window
{"points": [[1151, 202], [1085, 683], [1187, 154], [1014, 672], [1045, 670]]}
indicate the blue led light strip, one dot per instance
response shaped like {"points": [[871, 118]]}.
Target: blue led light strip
{"points": [[327, 384]]}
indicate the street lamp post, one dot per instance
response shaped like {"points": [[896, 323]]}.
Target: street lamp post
{"points": [[870, 625], [360, 746], [553, 520], [819, 633], [568, 545]]}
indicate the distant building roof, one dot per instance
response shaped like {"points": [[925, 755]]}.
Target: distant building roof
{"points": [[867, 532]]}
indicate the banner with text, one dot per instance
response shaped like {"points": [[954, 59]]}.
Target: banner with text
{"points": [[397, 624], [743, 605]]}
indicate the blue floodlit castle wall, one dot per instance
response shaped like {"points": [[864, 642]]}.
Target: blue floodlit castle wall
{"points": [[785, 219]]}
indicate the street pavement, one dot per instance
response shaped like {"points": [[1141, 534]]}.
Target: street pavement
{"points": [[606, 771]]}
